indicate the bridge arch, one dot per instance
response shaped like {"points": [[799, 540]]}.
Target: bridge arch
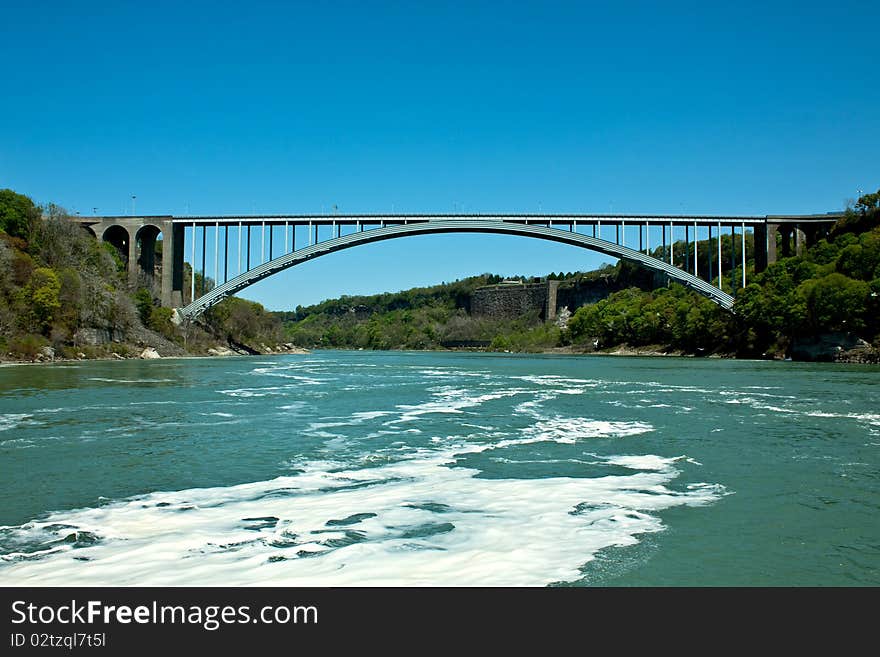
{"points": [[145, 240], [118, 236], [570, 237]]}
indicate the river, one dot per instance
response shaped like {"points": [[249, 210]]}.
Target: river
{"points": [[399, 468]]}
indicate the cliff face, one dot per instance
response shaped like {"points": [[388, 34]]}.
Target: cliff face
{"points": [[547, 298], [574, 294], [513, 300]]}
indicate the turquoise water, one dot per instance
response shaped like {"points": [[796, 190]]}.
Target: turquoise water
{"points": [[348, 468]]}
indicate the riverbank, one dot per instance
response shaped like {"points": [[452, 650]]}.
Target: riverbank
{"points": [[127, 351], [864, 354], [861, 353]]}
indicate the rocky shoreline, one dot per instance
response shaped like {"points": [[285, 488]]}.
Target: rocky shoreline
{"points": [[47, 355], [860, 353]]}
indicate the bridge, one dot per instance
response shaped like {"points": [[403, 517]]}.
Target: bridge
{"points": [[245, 249]]}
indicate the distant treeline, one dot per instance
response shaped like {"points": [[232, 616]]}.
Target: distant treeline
{"points": [[419, 318]]}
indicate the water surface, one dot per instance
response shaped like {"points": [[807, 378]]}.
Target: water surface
{"points": [[349, 468]]}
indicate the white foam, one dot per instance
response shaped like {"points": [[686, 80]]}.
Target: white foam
{"points": [[569, 430], [11, 420], [554, 380], [453, 373], [295, 406], [450, 400], [423, 522], [257, 392], [642, 461], [354, 419], [870, 418]]}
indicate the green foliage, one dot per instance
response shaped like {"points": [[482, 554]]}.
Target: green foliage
{"points": [[860, 260], [43, 293], [864, 216], [835, 303], [71, 295], [27, 346], [673, 317], [204, 284], [18, 214], [159, 320], [829, 288], [448, 295], [420, 318], [114, 255], [58, 280], [243, 321], [143, 301]]}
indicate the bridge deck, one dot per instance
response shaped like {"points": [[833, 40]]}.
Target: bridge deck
{"points": [[541, 219], [536, 219], [653, 240]]}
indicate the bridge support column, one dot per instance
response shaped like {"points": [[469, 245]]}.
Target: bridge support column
{"points": [[772, 232], [811, 235], [762, 246], [172, 265], [133, 266], [785, 239]]}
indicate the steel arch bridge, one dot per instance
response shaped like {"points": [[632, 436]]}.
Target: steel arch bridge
{"points": [[136, 240], [438, 226]]}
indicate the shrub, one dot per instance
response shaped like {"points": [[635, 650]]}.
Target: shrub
{"points": [[143, 301], [28, 346], [18, 214], [160, 322]]}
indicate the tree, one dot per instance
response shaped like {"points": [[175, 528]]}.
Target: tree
{"points": [[18, 214], [71, 298], [159, 321], [44, 291], [835, 302], [863, 216], [143, 301]]}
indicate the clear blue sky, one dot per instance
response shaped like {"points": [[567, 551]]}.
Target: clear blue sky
{"points": [[283, 107]]}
